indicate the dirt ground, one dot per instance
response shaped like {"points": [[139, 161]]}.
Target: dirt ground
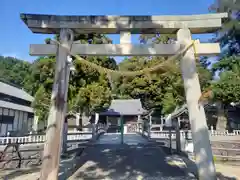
{"points": [[129, 160], [33, 173], [225, 172]]}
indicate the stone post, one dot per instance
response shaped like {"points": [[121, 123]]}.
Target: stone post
{"points": [[170, 139], [93, 130], [96, 118], [178, 136], [161, 123], [35, 123], [139, 118], [200, 135], [149, 130], [77, 121], [122, 129], [150, 120]]}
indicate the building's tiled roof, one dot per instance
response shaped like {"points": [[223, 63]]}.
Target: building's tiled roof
{"points": [[124, 107], [154, 112], [15, 92], [9, 105], [184, 109], [179, 111]]}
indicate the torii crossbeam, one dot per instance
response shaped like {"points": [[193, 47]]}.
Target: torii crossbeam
{"points": [[205, 49]]}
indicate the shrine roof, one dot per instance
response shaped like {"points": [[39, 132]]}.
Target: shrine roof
{"points": [[124, 107]]}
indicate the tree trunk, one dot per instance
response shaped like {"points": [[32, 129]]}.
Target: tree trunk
{"points": [[221, 117]]}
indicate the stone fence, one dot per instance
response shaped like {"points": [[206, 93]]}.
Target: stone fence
{"points": [[225, 145], [188, 134], [40, 138]]}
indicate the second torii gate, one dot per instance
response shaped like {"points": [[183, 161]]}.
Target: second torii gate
{"points": [[184, 26]]}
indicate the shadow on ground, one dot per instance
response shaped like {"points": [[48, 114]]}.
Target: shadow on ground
{"points": [[11, 174], [68, 162], [220, 176], [190, 166], [117, 161]]}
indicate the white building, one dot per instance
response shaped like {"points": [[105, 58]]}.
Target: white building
{"points": [[16, 113]]}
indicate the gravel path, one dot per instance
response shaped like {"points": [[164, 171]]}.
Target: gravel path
{"points": [[135, 159], [123, 162], [228, 171], [33, 173]]}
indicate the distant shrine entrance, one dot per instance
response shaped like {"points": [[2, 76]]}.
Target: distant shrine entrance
{"points": [[184, 49]]}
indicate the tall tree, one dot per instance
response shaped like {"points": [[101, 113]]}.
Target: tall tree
{"points": [[160, 91], [229, 34], [14, 71], [87, 87], [41, 103], [222, 90]]}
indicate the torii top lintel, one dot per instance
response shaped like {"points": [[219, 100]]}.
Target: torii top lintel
{"points": [[51, 24]]}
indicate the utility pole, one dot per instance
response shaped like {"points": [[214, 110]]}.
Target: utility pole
{"points": [[52, 147]]}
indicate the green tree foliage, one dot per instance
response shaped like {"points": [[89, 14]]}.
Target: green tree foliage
{"points": [[13, 70], [159, 91], [226, 64], [41, 75], [225, 89], [145, 87], [204, 72], [87, 88], [39, 83], [41, 103], [93, 97], [91, 91], [229, 35]]}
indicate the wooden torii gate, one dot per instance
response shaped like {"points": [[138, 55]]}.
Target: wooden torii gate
{"points": [[183, 26]]}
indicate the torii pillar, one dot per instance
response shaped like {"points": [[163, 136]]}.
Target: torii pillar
{"points": [[200, 135]]}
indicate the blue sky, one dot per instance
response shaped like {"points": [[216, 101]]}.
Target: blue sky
{"points": [[15, 37]]}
